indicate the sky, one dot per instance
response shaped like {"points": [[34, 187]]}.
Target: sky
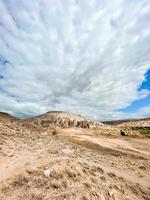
{"points": [[86, 57]]}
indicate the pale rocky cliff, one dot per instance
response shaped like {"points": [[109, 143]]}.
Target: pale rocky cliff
{"points": [[63, 120], [60, 119]]}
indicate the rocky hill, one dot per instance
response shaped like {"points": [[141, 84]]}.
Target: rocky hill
{"points": [[62, 119], [46, 122]]}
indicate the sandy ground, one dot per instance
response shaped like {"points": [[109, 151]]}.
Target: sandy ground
{"points": [[73, 165]]}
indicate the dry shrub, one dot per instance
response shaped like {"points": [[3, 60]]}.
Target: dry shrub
{"points": [[35, 172], [103, 178], [97, 169], [20, 181], [87, 184], [55, 184], [40, 182], [85, 198], [54, 132], [94, 180], [56, 174], [142, 167], [64, 183], [36, 197], [70, 173], [53, 150], [111, 174], [4, 189]]}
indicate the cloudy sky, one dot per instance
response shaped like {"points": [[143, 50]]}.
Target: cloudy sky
{"points": [[87, 57]]}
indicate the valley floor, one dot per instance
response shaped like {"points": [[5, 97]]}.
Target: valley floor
{"points": [[73, 165]]}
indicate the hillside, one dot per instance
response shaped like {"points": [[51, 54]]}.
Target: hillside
{"points": [[63, 120], [130, 122], [6, 117]]}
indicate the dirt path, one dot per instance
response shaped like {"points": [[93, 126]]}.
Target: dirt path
{"points": [[133, 144]]}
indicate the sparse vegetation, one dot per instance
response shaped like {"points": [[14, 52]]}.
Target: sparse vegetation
{"points": [[20, 181], [142, 130]]}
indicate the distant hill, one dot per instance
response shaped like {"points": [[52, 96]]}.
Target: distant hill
{"points": [[6, 117], [130, 122]]}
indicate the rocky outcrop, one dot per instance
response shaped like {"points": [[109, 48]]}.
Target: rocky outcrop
{"points": [[61, 119], [95, 124], [65, 123]]}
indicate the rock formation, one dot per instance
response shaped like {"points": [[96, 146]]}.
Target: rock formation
{"points": [[61, 119]]}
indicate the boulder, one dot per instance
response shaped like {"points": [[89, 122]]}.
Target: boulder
{"points": [[123, 133]]}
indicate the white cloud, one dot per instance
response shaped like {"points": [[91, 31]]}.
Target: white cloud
{"points": [[87, 57], [142, 112]]}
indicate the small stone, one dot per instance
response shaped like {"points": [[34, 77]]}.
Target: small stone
{"points": [[110, 193], [10, 155], [47, 172], [31, 170]]}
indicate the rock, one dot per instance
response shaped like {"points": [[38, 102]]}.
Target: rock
{"points": [[110, 193], [32, 170], [123, 133], [10, 155], [47, 172]]}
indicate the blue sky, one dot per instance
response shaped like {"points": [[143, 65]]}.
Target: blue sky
{"points": [[136, 105], [87, 57], [146, 83]]}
